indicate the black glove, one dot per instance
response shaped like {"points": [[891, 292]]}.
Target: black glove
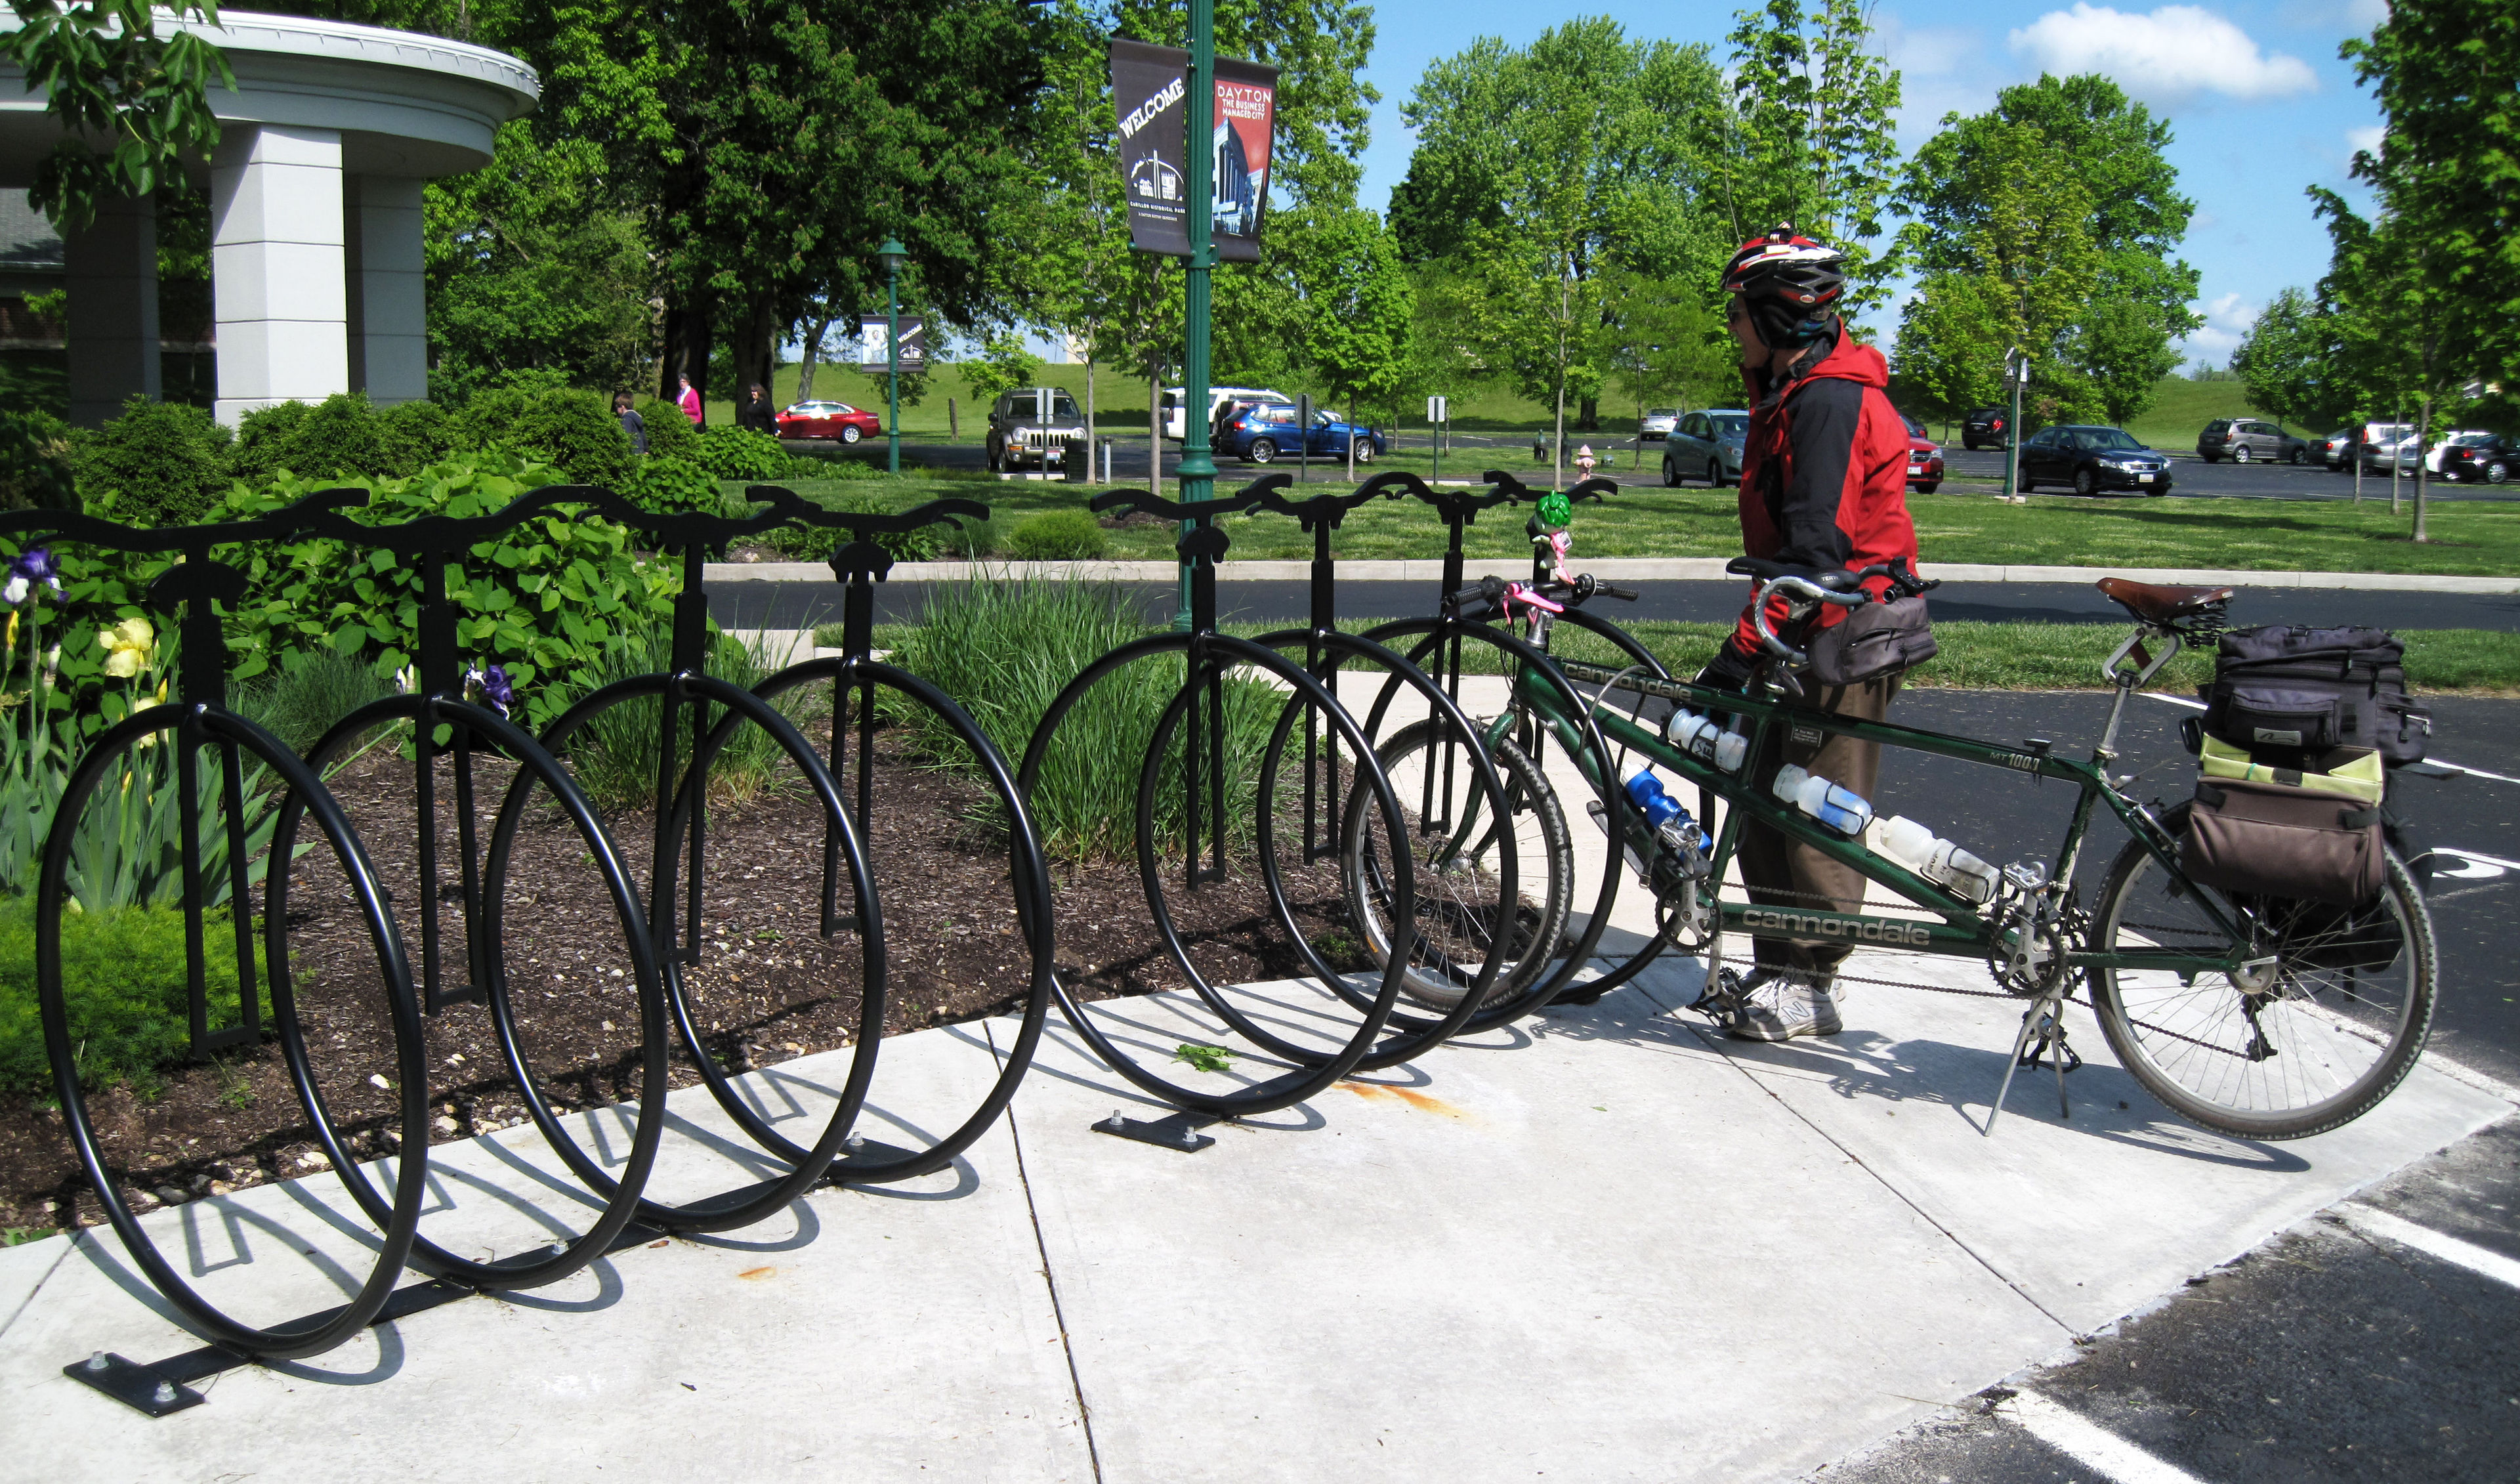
{"points": [[1729, 670]]}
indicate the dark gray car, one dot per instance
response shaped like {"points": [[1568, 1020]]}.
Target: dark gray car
{"points": [[1705, 445], [2244, 440], [1033, 425]]}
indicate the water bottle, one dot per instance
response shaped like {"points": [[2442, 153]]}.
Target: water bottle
{"points": [[1840, 809], [1671, 822], [1935, 859], [1704, 739]]}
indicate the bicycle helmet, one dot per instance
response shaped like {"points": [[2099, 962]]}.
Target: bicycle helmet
{"points": [[1789, 284]]}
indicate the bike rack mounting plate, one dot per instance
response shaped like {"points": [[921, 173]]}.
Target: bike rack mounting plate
{"points": [[1174, 1131]]}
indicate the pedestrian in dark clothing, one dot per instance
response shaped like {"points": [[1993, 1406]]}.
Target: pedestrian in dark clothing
{"points": [[757, 413], [631, 422]]}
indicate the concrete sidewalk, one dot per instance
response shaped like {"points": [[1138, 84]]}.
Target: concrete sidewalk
{"points": [[1607, 569], [1601, 1244]]}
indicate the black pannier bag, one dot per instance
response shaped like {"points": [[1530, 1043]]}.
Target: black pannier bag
{"points": [[2268, 840], [2291, 686], [1878, 639]]}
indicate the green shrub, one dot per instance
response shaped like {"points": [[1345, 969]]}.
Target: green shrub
{"points": [[1058, 535], [158, 463], [970, 540], [739, 453], [342, 436], [670, 434], [266, 440], [568, 427], [546, 601], [35, 462], [123, 979], [1005, 650], [670, 486], [416, 435]]}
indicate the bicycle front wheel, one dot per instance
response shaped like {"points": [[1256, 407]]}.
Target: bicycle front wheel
{"points": [[2339, 1026]]}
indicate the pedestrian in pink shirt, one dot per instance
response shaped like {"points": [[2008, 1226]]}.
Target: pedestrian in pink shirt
{"points": [[690, 400]]}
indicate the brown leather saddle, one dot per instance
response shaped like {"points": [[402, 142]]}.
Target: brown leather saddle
{"points": [[2163, 605]]}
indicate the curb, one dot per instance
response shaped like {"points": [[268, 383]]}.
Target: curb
{"points": [[1613, 570]]}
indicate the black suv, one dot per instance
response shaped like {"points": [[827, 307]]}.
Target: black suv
{"points": [[1986, 428], [1033, 425], [2241, 439]]}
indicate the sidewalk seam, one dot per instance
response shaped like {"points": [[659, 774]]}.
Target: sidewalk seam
{"points": [[67, 1248], [1049, 1279], [1715, 1044]]}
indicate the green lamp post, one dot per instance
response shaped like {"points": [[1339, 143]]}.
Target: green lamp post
{"points": [[1198, 461], [892, 254]]}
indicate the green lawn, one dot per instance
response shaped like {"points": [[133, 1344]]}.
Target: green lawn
{"points": [[2470, 538]]}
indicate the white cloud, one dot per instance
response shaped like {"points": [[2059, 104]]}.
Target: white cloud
{"points": [[2227, 322], [2365, 139], [2170, 54]]}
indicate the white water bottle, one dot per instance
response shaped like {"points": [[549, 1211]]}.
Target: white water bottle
{"points": [[1704, 739], [1930, 856], [1840, 809]]}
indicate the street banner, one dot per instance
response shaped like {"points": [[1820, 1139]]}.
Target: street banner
{"points": [[1246, 107], [1149, 93], [875, 343]]}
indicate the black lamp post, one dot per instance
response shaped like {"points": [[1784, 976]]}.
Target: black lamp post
{"points": [[894, 254]]}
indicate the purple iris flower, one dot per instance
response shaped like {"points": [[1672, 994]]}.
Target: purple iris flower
{"points": [[490, 683], [36, 568]]}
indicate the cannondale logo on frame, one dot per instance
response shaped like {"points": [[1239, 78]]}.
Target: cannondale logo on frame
{"points": [[1869, 930]]}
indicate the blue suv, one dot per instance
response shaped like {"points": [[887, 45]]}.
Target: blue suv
{"points": [[1269, 431]]}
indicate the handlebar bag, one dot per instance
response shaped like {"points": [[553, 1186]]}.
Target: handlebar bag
{"points": [[1875, 640], [2293, 686], [2272, 839]]}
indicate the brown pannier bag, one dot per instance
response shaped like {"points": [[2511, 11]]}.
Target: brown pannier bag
{"points": [[2273, 841]]}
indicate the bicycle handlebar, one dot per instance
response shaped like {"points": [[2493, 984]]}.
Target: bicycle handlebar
{"points": [[1493, 590]]}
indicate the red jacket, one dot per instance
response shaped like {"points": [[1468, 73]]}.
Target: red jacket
{"points": [[1825, 473]]}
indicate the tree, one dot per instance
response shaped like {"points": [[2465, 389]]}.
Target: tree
{"points": [[131, 105], [534, 267], [2290, 362], [2121, 343], [1807, 137], [1359, 308], [1543, 172], [1670, 345], [2018, 273]]}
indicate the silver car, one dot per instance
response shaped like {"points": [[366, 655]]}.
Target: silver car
{"points": [[1656, 424], [1705, 445]]}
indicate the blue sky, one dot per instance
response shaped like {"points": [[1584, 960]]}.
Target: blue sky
{"points": [[2254, 92]]}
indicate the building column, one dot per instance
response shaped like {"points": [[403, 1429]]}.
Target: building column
{"points": [[113, 282], [276, 267], [388, 315]]}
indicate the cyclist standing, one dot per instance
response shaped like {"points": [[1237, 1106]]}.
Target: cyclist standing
{"points": [[1823, 484]]}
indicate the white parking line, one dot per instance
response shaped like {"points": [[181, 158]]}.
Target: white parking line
{"points": [[2449, 1249], [2092, 1447]]}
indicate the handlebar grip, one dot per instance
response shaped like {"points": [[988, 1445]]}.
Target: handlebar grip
{"points": [[1488, 590], [1624, 595]]}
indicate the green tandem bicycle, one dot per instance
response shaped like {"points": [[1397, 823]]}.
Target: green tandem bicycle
{"points": [[2263, 1017]]}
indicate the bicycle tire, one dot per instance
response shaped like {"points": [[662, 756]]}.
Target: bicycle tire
{"points": [[2142, 1046]]}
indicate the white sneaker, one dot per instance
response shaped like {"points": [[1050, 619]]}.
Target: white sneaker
{"points": [[1778, 1006]]}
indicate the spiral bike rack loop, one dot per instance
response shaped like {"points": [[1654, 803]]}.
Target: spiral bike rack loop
{"points": [[199, 718], [1341, 829], [1440, 639], [1197, 711], [860, 563]]}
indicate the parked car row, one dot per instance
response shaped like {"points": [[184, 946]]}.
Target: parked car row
{"points": [[1707, 445]]}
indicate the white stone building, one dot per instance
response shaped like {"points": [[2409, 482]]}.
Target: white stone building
{"points": [[316, 265]]}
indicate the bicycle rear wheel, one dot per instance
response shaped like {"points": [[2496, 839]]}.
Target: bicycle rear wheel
{"points": [[2338, 1029]]}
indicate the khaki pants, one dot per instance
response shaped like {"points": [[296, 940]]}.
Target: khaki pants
{"points": [[1783, 874]]}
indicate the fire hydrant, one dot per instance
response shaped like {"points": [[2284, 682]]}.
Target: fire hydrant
{"points": [[1584, 461]]}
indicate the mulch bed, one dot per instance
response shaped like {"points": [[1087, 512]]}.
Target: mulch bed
{"points": [[767, 986]]}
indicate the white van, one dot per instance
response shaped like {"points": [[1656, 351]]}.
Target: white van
{"points": [[1216, 397]]}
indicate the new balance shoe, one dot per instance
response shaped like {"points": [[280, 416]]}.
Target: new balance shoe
{"points": [[1778, 1006]]}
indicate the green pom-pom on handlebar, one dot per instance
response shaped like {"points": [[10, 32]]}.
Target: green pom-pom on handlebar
{"points": [[1556, 512]]}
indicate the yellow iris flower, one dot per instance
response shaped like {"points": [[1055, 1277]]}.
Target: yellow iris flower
{"points": [[128, 646]]}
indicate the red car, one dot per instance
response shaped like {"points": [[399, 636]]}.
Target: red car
{"points": [[828, 420], [1924, 458]]}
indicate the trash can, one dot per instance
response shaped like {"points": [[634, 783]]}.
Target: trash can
{"points": [[1077, 460]]}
